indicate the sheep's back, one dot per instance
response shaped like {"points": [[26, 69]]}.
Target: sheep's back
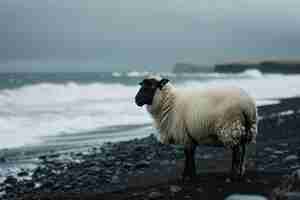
{"points": [[204, 110]]}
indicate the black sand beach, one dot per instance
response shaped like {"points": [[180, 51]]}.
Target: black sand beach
{"points": [[146, 169]]}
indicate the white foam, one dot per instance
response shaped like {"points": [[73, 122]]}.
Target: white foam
{"points": [[137, 74], [116, 74], [254, 73], [263, 88], [30, 112]]}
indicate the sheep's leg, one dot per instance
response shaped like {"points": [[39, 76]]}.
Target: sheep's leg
{"points": [[189, 165], [233, 159], [238, 160], [242, 160]]}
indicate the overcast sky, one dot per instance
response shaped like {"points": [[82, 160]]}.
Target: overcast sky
{"points": [[110, 35]]}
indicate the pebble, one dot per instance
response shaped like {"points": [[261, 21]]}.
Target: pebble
{"points": [[10, 180], [199, 189], [115, 179], [268, 149], [245, 197], [296, 174], [227, 180], [165, 162], [290, 158], [155, 195], [142, 164], [274, 156], [2, 159], [283, 144], [175, 188], [23, 173], [207, 156], [278, 152]]}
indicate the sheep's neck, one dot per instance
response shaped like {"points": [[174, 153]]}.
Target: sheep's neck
{"points": [[166, 107]]}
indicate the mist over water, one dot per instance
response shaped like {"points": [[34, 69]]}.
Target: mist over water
{"points": [[63, 105]]}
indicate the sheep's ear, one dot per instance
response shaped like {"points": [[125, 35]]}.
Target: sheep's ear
{"points": [[163, 82]]}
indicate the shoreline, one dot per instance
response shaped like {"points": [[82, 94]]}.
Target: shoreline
{"points": [[120, 169]]}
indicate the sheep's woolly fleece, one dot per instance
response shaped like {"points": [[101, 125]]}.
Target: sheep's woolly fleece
{"points": [[207, 116]]}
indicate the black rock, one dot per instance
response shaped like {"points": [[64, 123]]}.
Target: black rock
{"points": [[23, 173], [142, 164], [3, 160], [43, 157], [10, 180]]}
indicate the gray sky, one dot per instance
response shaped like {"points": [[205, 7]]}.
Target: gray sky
{"points": [[111, 35]]}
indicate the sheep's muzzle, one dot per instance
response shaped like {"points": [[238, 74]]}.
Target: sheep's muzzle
{"points": [[140, 99]]}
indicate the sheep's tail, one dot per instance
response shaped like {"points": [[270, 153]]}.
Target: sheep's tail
{"points": [[250, 127]]}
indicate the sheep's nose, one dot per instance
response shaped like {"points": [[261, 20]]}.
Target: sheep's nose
{"points": [[139, 100]]}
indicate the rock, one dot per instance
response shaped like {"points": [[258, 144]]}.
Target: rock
{"points": [[245, 197], [95, 169], [207, 156], [292, 196], [3, 160], [23, 173], [155, 195], [290, 158], [10, 180], [274, 156], [48, 184], [37, 185], [68, 187], [296, 175], [227, 180], [29, 184], [199, 189], [175, 188], [268, 149], [142, 164], [54, 155], [283, 144], [278, 152], [115, 179], [140, 148], [127, 165], [165, 162], [43, 157]]}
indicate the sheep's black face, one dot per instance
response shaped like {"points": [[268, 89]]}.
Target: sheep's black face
{"points": [[147, 91]]}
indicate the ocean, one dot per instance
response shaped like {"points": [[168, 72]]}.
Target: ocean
{"points": [[62, 111]]}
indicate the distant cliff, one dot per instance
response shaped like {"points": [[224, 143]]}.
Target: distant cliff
{"points": [[191, 68], [283, 67]]}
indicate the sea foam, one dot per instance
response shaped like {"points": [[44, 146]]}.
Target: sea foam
{"points": [[31, 112]]}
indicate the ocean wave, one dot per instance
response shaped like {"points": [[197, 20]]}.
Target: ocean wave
{"points": [[254, 73], [31, 112], [261, 87]]}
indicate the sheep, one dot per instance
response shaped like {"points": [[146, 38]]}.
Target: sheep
{"points": [[225, 117]]}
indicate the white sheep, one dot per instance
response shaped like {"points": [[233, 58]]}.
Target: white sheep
{"points": [[221, 117]]}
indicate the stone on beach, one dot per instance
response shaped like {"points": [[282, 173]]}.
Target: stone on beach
{"points": [[175, 188], [155, 195], [245, 197], [290, 158]]}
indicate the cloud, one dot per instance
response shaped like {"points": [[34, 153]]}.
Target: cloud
{"points": [[148, 33]]}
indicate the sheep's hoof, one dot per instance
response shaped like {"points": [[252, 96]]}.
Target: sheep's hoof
{"points": [[186, 178], [236, 176]]}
